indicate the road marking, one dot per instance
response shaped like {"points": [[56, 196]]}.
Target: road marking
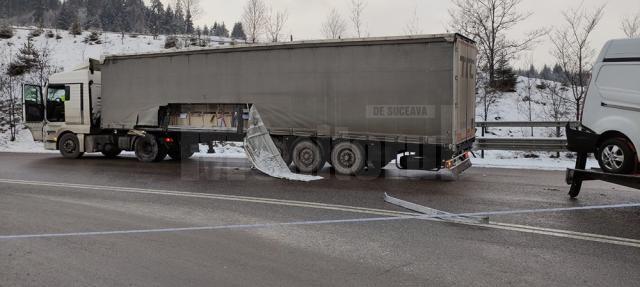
{"points": [[390, 215], [550, 232], [293, 203]]}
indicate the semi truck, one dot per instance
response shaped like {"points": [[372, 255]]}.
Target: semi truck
{"points": [[357, 104]]}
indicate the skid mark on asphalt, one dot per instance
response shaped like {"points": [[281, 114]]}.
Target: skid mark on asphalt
{"points": [[389, 215]]}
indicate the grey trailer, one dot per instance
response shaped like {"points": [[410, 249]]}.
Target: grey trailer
{"points": [[357, 104]]}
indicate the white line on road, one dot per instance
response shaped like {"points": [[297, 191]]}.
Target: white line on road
{"points": [[215, 196], [391, 215], [550, 232]]}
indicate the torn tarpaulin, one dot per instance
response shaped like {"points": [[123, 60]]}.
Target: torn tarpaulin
{"points": [[264, 154]]}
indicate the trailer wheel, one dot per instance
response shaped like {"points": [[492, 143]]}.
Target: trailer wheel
{"points": [[308, 156], [348, 158], [70, 146], [148, 149], [616, 155], [180, 152]]}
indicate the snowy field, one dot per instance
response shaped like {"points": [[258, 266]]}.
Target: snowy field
{"points": [[70, 52]]}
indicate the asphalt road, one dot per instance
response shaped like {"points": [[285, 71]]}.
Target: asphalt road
{"points": [[216, 222]]}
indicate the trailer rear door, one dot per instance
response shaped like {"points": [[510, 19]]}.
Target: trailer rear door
{"points": [[465, 57]]}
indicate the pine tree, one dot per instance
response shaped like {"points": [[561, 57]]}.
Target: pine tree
{"points": [[214, 29], [66, 16], [505, 78], [39, 9], [558, 74], [238, 32], [167, 21], [26, 60], [224, 32], [205, 30], [546, 73], [188, 23], [135, 12], [156, 16], [178, 19], [533, 72], [76, 28]]}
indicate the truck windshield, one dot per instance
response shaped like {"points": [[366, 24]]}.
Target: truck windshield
{"points": [[56, 97]]}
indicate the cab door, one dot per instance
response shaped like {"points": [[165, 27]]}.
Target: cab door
{"points": [[33, 110]]}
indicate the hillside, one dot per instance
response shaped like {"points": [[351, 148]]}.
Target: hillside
{"points": [[69, 52]]}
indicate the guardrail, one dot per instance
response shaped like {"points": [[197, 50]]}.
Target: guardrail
{"points": [[523, 144]]}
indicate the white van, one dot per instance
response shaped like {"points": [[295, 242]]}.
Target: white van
{"points": [[611, 117]]}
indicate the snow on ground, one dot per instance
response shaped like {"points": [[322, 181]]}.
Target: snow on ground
{"points": [[511, 107], [24, 143], [71, 52], [517, 160]]}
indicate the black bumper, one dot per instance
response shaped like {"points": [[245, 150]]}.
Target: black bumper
{"points": [[581, 139]]}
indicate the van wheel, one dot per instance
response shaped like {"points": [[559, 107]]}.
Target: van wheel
{"points": [[348, 158], [70, 146], [148, 149], [308, 156], [616, 155]]}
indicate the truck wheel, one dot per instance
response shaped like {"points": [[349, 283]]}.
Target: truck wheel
{"points": [[616, 155], [283, 149], [348, 158], [308, 156], [148, 149], [180, 152], [70, 146], [111, 151]]}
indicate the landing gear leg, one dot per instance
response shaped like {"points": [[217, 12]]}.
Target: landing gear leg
{"points": [[576, 182]]}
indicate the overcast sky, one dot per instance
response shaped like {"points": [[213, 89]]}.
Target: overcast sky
{"points": [[390, 17]]}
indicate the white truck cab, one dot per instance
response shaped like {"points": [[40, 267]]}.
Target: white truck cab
{"points": [[63, 106], [611, 117]]}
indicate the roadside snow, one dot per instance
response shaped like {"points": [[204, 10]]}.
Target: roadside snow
{"points": [[24, 143], [517, 160]]}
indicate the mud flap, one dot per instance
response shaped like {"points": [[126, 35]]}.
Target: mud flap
{"points": [[264, 154]]}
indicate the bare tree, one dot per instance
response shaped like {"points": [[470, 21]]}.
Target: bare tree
{"points": [[42, 67], [413, 27], [631, 26], [572, 50], [334, 26], [488, 22], [275, 24], [357, 11], [254, 19]]}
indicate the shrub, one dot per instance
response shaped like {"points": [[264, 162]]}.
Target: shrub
{"points": [[35, 33], [171, 42], [93, 38], [6, 32]]}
